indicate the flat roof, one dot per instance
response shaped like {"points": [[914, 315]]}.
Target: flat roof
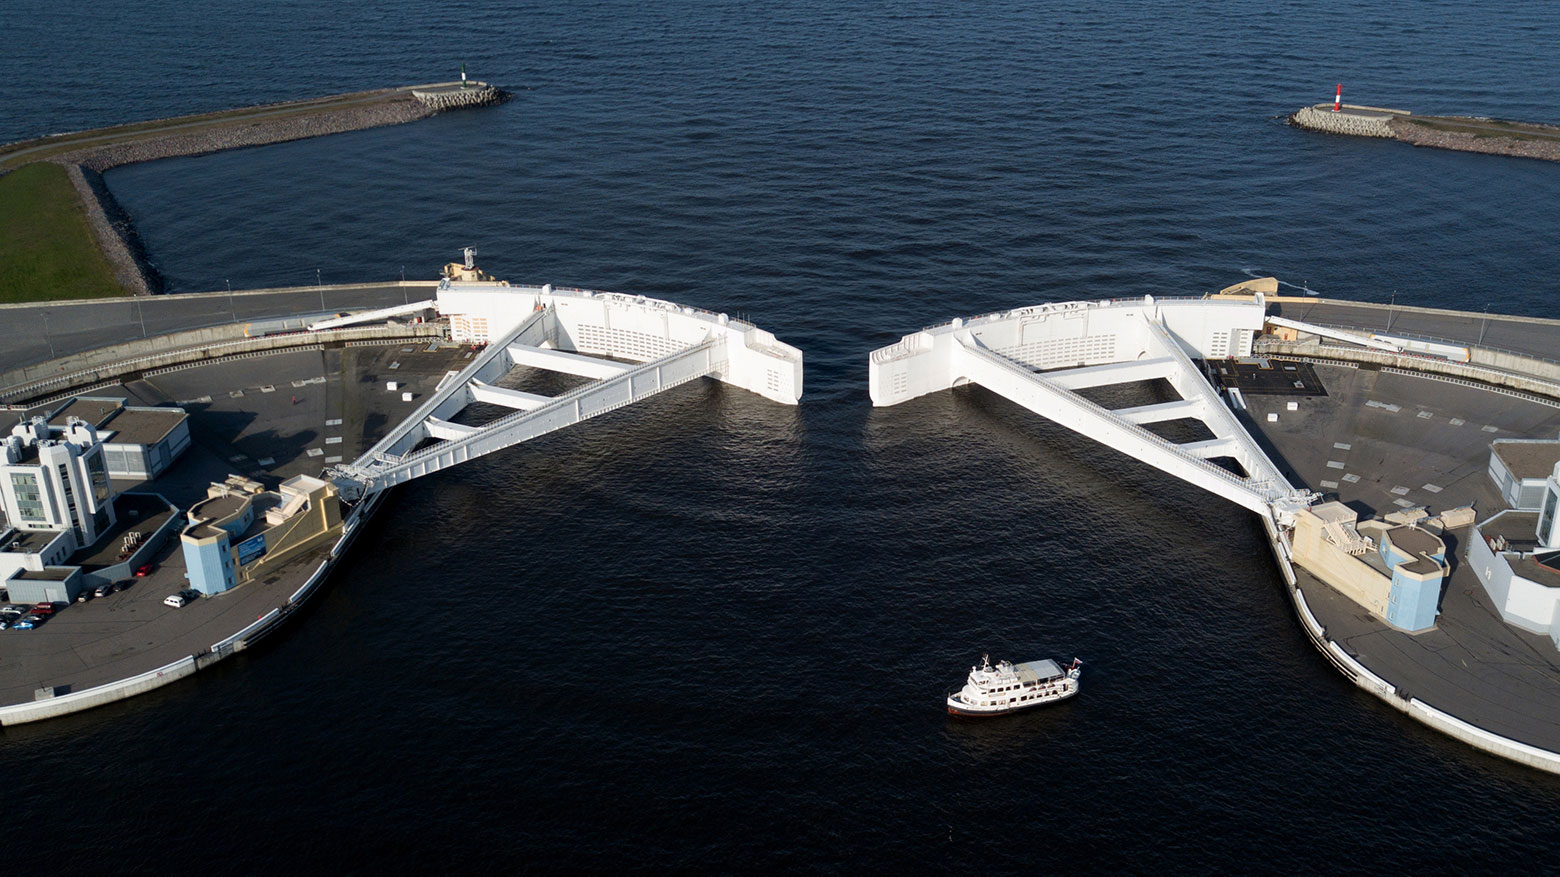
{"points": [[1517, 527], [30, 541], [47, 574], [1527, 459], [1415, 541], [144, 426], [1529, 568], [96, 411], [1422, 566], [219, 508]]}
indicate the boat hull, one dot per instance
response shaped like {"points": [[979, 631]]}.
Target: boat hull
{"points": [[964, 710]]}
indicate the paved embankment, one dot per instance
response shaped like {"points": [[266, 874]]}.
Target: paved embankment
{"points": [[1464, 134]]}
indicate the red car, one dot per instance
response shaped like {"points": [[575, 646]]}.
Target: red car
{"points": [[43, 609], [145, 571]]}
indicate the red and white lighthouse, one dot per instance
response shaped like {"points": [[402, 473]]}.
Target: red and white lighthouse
{"points": [[1338, 99]]}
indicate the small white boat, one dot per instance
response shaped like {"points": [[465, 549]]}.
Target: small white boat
{"points": [[1008, 687]]}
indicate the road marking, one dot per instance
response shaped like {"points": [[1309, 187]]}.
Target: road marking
{"points": [[1491, 428], [1457, 421], [1400, 491], [268, 388], [1331, 485], [1343, 446], [1433, 488], [315, 452], [333, 440], [333, 459], [1403, 502], [336, 422], [1352, 478], [1334, 464], [395, 365], [267, 461], [235, 394], [307, 381], [239, 458], [1425, 415]]}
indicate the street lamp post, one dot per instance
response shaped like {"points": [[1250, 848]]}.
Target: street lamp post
{"points": [[46, 333], [1390, 306], [1486, 325]]}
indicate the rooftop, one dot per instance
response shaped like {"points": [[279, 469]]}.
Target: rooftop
{"points": [[1413, 540], [47, 574], [144, 426], [94, 410], [1517, 527], [1527, 459], [1421, 566], [1529, 568], [28, 541]]}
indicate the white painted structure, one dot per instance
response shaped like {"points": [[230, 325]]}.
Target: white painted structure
{"points": [[1039, 357], [372, 316], [653, 346]]}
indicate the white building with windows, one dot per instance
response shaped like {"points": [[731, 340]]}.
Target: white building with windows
{"points": [[56, 483]]}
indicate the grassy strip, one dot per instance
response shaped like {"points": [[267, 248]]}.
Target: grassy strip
{"points": [[46, 247]]}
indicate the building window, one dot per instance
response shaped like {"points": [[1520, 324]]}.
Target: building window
{"points": [[1546, 518], [29, 503], [99, 474]]}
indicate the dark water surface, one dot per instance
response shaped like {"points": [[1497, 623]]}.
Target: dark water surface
{"points": [[714, 632]]}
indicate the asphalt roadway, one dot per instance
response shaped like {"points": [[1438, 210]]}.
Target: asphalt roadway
{"points": [[1432, 451], [47, 330], [1525, 335]]}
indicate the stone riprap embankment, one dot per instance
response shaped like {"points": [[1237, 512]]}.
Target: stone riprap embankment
{"points": [[1490, 136], [457, 95], [1490, 143], [1352, 120]]}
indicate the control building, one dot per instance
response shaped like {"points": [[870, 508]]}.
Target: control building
{"points": [[1393, 569], [241, 528], [57, 499]]}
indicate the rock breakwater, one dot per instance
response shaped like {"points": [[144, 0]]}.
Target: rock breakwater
{"points": [[1489, 136]]}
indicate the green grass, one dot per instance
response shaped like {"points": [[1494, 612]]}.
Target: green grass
{"points": [[47, 251]]}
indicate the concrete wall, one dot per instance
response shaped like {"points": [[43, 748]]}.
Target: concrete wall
{"points": [[76, 701]]}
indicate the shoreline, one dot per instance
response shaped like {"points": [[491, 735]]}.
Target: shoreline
{"points": [[85, 155]]}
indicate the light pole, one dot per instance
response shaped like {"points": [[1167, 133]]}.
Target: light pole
{"points": [[231, 309], [46, 333], [140, 312], [1390, 305], [321, 285], [1486, 325]]}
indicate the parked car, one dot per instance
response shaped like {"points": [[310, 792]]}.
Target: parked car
{"points": [[43, 609], [4, 623], [103, 590], [84, 596], [27, 623], [145, 570], [123, 584], [177, 601], [12, 611], [190, 594]]}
